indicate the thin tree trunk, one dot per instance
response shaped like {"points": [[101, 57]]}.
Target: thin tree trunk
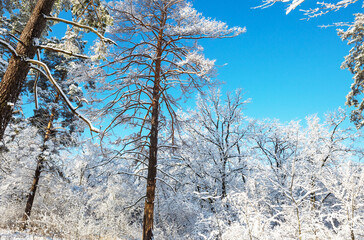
{"points": [[223, 179], [18, 68], [39, 168]]}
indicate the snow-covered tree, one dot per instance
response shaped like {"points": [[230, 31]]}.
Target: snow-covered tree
{"points": [[28, 24], [213, 144], [53, 120], [156, 60], [354, 62], [301, 161]]}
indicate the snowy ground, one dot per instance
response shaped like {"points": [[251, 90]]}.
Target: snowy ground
{"points": [[8, 235]]}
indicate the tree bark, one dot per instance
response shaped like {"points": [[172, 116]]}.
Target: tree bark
{"points": [[152, 172], [18, 68], [153, 148], [39, 168]]}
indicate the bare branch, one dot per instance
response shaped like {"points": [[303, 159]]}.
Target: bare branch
{"points": [[135, 203], [9, 47]]}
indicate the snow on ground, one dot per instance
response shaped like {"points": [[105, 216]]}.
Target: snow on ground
{"points": [[9, 235]]}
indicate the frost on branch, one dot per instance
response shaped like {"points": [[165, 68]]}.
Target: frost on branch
{"points": [[188, 22], [3, 31], [195, 58], [48, 74], [148, 31], [354, 62], [321, 9], [69, 46], [183, 20]]}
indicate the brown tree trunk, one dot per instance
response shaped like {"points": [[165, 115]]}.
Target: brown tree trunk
{"points": [[152, 173], [18, 68], [153, 148], [38, 170]]}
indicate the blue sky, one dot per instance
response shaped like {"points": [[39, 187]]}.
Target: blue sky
{"points": [[290, 68]]}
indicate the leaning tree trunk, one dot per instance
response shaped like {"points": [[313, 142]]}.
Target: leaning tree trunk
{"points": [[18, 68], [38, 169]]}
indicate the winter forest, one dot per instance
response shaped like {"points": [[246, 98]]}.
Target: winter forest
{"points": [[114, 124]]}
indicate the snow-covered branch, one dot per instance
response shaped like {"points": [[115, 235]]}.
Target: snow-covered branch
{"points": [[323, 7], [48, 74], [104, 39], [70, 53]]}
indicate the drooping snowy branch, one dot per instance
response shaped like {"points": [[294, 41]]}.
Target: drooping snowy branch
{"points": [[48, 74]]}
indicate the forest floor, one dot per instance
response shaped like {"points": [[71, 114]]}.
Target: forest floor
{"points": [[9, 235]]}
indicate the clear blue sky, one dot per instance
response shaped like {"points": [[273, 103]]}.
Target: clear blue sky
{"points": [[289, 67]]}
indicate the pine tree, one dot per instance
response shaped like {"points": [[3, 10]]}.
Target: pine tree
{"points": [[88, 15], [157, 52], [17, 70], [49, 110]]}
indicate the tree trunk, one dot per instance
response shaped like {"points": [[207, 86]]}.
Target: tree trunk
{"points": [[38, 170], [223, 178], [18, 68], [153, 148], [152, 173]]}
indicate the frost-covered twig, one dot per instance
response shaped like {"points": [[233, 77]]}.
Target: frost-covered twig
{"points": [[324, 7], [48, 74], [64, 52], [338, 24], [107, 40], [327, 7]]}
